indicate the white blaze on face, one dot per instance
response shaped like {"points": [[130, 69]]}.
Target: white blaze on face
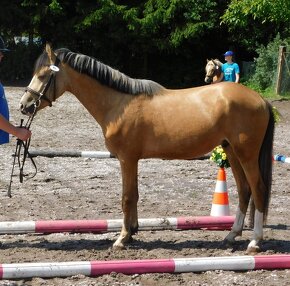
{"points": [[28, 99], [210, 68]]}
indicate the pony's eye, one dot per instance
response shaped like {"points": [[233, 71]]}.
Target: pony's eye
{"points": [[41, 77]]}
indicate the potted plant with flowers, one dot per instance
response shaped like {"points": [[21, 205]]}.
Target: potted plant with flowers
{"points": [[220, 203], [220, 157]]}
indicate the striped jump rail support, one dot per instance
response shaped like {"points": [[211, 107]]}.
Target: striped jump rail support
{"points": [[174, 265], [113, 225], [281, 158]]}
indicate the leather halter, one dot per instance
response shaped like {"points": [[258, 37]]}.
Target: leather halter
{"points": [[42, 95]]}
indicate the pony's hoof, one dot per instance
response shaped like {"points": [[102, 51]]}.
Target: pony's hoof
{"points": [[134, 229], [118, 246], [227, 243], [229, 240], [253, 250]]}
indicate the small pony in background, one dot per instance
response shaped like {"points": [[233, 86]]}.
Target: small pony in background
{"points": [[213, 71]]}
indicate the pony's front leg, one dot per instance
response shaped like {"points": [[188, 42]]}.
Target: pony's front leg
{"points": [[236, 229], [129, 202]]}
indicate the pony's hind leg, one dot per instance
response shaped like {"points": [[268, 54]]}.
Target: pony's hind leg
{"points": [[259, 192], [244, 194], [129, 202]]}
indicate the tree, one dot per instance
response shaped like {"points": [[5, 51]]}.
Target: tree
{"points": [[260, 20], [170, 23], [147, 32], [265, 11], [165, 40]]}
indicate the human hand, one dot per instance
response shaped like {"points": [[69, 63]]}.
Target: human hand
{"points": [[23, 133]]}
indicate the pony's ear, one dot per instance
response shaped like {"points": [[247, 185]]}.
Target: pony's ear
{"points": [[207, 60], [50, 53]]}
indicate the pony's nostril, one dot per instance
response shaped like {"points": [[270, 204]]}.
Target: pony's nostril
{"points": [[207, 80]]}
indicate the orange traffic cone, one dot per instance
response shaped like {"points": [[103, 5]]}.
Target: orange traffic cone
{"points": [[220, 203]]}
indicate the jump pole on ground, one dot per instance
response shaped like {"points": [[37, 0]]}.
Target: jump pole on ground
{"points": [[281, 158], [174, 265], [114, 225], [84, 154]]}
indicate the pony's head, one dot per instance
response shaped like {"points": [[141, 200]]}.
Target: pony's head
{"points": [[42, 90], [212, 69]]}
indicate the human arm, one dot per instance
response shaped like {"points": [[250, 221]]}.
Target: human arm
{"points": [[220, 78], [19, 132], [237, 78], [237, 73]]}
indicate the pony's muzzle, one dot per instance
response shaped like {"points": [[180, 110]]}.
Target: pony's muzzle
{"points": [[27, 110], [208, 79], [27, 107]]}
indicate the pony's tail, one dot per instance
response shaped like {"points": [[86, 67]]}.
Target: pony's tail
{"points": [[266, 160], [265, 166]]}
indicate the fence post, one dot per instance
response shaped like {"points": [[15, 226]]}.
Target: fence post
{"points": [[282, 51]]}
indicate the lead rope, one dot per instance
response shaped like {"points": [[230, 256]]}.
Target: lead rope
{"points": [[25, 144]]}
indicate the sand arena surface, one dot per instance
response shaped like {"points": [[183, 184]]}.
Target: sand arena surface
{"points": [[80, 188]]}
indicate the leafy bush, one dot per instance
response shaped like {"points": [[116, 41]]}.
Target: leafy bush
{"points": [[265, 74]]}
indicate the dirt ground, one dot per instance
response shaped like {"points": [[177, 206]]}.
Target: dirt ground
{"points": [[82, 188]]}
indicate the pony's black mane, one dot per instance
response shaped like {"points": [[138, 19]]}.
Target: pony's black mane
{"points": [[102, 73]]}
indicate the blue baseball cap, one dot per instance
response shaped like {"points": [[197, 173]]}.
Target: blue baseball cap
{"points": [[229, 53]]}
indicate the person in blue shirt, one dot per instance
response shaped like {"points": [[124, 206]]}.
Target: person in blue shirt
{"points": [[230, 69], [6, 127]]}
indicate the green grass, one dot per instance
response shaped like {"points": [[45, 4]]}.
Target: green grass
{"points": [[269, 92]]}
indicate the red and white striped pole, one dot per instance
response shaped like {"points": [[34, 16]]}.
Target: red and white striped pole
{"points": [[113, 225], [174, 265]]}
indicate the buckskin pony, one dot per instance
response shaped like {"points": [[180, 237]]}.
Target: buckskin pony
{"points": [[142, 119], [213, 70]]}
